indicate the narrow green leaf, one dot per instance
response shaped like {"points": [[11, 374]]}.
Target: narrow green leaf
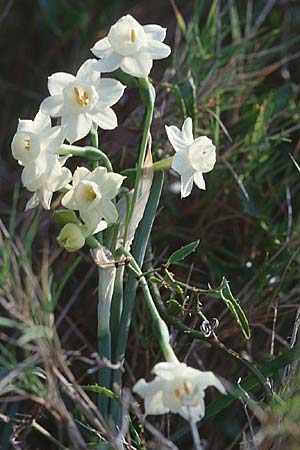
{"points": [[233, 304], [183, 252]]}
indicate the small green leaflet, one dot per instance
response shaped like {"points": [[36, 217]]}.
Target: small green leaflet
{"points": [[235, 307], [182, 253], [99, 390]]}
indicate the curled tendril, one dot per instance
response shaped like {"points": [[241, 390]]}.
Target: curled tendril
{"points": [[208, 328]]}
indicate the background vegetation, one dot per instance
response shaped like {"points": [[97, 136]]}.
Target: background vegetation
{"points": [[235, 70]]}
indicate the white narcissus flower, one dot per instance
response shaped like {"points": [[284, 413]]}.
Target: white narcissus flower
{"points": [[193, 157], [177, 388], [92, 194], [34, 146], [82, 99], [35, 136], [131, 47]]}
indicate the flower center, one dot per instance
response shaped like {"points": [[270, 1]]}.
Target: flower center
{"points": [[90, 194], [133, 36], [182, 391], [27, 144], [81, 98]]}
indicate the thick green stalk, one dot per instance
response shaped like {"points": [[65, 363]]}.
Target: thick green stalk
{"points": [[139, 249], [148, 96], [116, 308]]}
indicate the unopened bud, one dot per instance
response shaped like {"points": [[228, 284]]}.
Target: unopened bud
{"points": [[71, 237]]}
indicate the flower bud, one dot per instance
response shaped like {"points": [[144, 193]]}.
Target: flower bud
{"points": [[71, 237]]}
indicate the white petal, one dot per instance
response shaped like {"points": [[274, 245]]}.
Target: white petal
{"points": [[42, 123], [52, 139], [187, 131], [26, 126], [112, 186], [31, 176], [110, 91], [168, 370], [92, 219], [87, 72], [32, 202], [154, 404], [68, 200], [186, 183], [176, 138], [206, 379], [102, 225], [152, 394], [58, 81], [45, 197], [77, 126], [155, 32], [158, 50], [138, 65], [79, 174], [106, 119], [193, 413], [108, 63], [62, 180], [199, 180], [101, 47], [109, 211], [52, 106], [181, 161]]}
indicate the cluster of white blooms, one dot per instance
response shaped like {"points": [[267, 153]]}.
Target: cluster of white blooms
{"points": [[83, 103]]}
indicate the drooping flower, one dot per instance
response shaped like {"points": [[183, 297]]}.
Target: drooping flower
{"points": [[82, 99], [131, 47], [35, 136], [92, 194], [193, 157], [177, 388]]}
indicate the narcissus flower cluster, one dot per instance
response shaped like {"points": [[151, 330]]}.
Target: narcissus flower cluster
{"points": [[80, 104]]}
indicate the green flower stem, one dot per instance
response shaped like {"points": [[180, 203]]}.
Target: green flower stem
{"points": [[94, 136], [148, 96], [95, 141], [171, 320], [88, 152], [92, 242], [158, 321], [163, 164]]}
